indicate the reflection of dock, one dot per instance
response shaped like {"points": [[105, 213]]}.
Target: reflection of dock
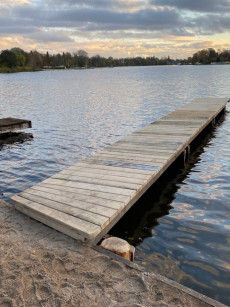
{"points": [[87, 199], [10, 124]]}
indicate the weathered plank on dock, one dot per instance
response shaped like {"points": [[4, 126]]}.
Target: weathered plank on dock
{"points": [[87, 199], [11, 124]]}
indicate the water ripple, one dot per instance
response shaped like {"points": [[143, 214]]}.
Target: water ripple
{"points": [[185, 228]]}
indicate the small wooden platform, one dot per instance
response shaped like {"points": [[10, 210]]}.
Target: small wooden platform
{"points": [[10, 124], [87, 199]]}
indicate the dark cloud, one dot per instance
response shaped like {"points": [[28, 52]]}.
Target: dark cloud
{"points": [[48, 19], [88, 19], [211, 24], [95, 4], [81, 3], [100, 19], [196, 5]]}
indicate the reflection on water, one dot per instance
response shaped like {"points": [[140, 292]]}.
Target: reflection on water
{"points": [[183, 231], [181, 226], [14, 137]]}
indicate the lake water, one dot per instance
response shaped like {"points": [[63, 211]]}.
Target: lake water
{"points": [[183, 230]]}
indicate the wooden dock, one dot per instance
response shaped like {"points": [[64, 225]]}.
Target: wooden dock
{"points": [[87, 199], [10, 124]]}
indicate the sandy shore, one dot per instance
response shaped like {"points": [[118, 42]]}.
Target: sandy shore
{"points": [[42, 267]]}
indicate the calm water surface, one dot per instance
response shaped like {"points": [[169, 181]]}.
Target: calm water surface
{"points": [[183, 230]]}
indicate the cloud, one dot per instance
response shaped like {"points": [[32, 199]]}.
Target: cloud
{"points": [[48, 36], [76, 24], [14, 2], [216, 6], [88, 19], [114, 5], [210, 24], [86, 16]]}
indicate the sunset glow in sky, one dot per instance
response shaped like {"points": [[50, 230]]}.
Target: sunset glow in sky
{"points": [[118, 28]]}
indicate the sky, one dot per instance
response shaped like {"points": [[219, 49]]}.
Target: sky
{"points": [[118, 28]]}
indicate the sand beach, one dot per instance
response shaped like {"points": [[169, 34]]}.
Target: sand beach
{"points": [[43, 267]]}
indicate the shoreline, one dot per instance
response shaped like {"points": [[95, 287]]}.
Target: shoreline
{"points": [[8, 70], [43, 267]]}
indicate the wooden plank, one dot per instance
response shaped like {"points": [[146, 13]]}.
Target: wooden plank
{"points": [[165, 133], [128, 170], [88, 198], [97, 170], [106, 182], [71, 211], [165, 128], [181, 122], [126, 158], [68, 224], [11, 124], [146, 149], [84, 192], [78, 195], [69, 202], [191, 114], [129, 154], [153, 165], [108, 176], [88, 186], [140, 151], [110, 162], [159, 138], [153, 143]]}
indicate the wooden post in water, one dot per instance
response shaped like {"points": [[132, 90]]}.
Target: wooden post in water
{"points": [[119, 247]]}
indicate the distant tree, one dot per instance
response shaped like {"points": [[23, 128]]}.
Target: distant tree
{"points": [[205, 56], [110, 61], [212, 55], [8, 59], [47, 59], [36, 60], [21, 60], [17, 51], [224, 56], [22, 56], [67, 59], [97, 61], [18, 57], [57, 60], [81, 58]]}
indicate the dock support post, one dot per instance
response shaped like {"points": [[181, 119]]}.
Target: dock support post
{"points": [[186, 154], [119, 247], [214, 121]]}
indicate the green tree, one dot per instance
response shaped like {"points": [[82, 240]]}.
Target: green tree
{"points": [[67, 59], [17, 51], [21, 60], [8, 59]]}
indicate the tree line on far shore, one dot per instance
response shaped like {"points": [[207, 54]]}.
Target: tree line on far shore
{"points": [[16, 59]]}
